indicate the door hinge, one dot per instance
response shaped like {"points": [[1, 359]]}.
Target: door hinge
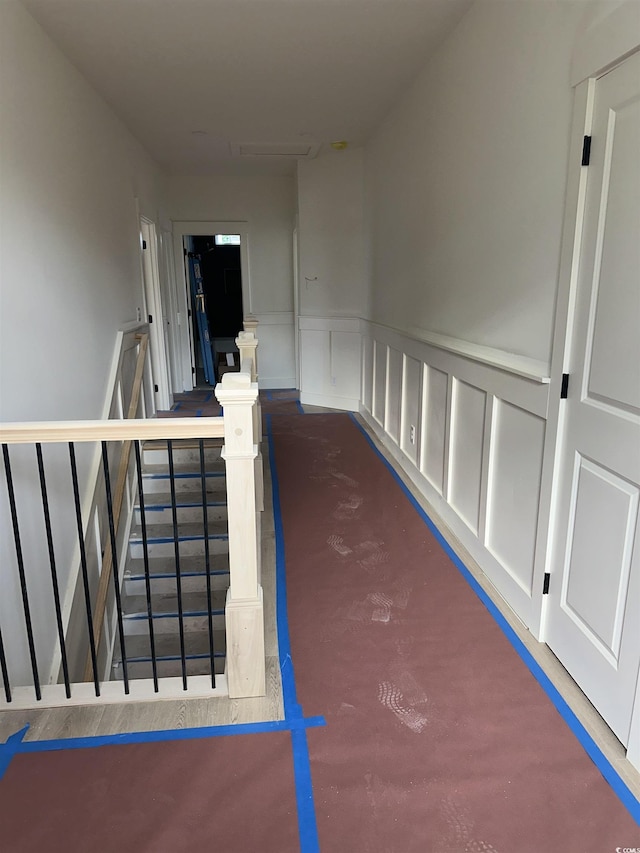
{"points": [[564, 388], [193, 370], [144, 244], [545, 586], [586, 150], [155, 388], [189, 312], [150, 318]]}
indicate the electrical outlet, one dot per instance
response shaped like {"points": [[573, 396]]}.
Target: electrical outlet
{"points": [[412, 434]]}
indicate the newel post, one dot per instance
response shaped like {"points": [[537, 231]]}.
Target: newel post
{"points": [[244, 607]]}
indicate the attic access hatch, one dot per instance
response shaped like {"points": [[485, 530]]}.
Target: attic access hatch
{"points": [[275, 150]]}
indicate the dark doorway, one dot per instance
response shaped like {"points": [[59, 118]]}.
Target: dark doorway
{"points": [[220, 269]]}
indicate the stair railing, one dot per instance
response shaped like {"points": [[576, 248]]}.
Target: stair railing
{"points": [[49, 684]]}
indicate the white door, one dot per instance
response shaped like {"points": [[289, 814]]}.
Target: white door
{"points": [[593, 616]]}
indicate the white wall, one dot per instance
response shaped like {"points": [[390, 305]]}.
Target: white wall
{"points": [[330, 210], [267, 205], [333, 290], [70, 276], [466, 181]]}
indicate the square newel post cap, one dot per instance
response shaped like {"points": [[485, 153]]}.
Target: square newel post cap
{"points": [[236, 388]]}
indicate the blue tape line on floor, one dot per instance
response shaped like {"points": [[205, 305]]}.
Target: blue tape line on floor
{"points": [[299, 406], [307, 825], [16, 743], [592, 749]]}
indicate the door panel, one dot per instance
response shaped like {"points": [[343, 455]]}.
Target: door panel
{"points": [[593, 619]]}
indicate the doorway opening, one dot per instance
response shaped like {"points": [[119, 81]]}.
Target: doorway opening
{"points": [[213, 270]]}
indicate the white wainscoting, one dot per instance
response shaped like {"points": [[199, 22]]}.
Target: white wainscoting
{"points": [[471, 435], [330, 362], [276, 352]]}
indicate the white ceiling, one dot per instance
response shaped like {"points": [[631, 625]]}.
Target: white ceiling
{"points": [[246, 71]]}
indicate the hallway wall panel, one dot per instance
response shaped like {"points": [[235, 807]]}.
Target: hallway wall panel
{"points": [[480, 437]]}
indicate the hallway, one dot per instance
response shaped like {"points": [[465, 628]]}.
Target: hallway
{"points": [[433, 736]]}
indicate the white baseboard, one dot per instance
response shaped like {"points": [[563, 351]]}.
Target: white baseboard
{"points": [[345, 404]]}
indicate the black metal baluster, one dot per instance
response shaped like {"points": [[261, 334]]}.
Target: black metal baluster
{"points": [[5, 671], [207, 561], [114, 564], [147, 578], [23, 580], [83, 563], [174, 513], [54, 573]]}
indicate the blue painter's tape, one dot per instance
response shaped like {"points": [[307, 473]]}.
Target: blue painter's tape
{"points": [[269, 396], [16, 744], [199, 413], [299, 407], [207, 399], [284, 640], [307, 824], [8, 749], [592, 749], [176, 407]]}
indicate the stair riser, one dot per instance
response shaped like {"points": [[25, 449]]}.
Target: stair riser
{"points": [[167, 586], [156, 483], [169, 668], [187, 548], [181, 456], [185, 514], [169, 625]]}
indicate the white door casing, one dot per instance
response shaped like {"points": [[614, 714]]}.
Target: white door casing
{"points": [[155, 309], [593, 615]]}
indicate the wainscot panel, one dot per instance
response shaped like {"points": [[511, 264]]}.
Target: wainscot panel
{"points": [[479, 431]]}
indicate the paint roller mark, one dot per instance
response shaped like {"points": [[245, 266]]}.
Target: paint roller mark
{"points": [[392, 698], [336, 543]]}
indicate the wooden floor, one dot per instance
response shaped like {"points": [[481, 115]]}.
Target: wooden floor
{"points": [[191, 713]]}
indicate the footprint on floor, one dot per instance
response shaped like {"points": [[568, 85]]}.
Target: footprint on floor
{"points": [[348, 481], [337, 544], [347, 509], [373, 555], [381, 606], [461, 824], [392, 698]]}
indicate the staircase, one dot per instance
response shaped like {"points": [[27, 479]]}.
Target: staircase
{"points": [[163, 584]]}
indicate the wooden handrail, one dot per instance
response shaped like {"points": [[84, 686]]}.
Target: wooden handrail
{"points": [[48, 432]]}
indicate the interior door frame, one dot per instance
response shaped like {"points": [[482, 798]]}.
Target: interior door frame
{"points": [[152, 295], [182, 295], [604, 42]]}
